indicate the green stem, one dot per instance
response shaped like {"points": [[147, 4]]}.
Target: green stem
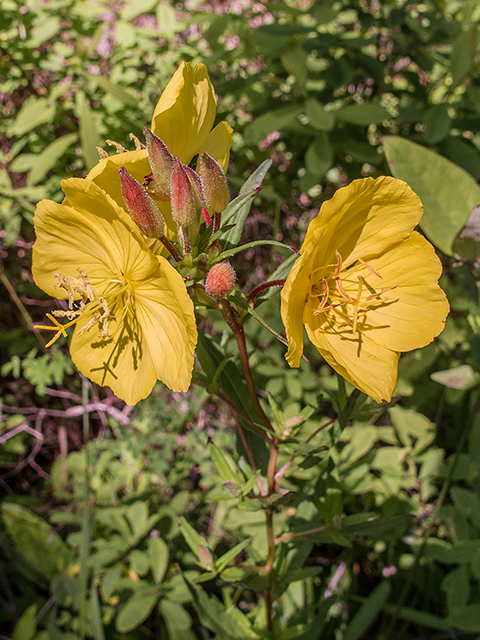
{"points": [[239, 334], [85, 550]]}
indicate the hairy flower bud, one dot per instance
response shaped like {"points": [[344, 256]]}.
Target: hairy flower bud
{"points": [[220, 280], [182, 197], [161, 160], [197, 187], [142, 209], [215, 186]]}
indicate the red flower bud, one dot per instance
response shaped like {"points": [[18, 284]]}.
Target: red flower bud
{"points": [[182, 197], [142, 209], [220, 280], [215, 186], [161, 160]]}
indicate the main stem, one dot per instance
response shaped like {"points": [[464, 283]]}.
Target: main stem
{"points": [[239, 334]]}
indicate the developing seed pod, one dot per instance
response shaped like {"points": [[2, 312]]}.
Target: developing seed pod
{"points": [[220, 280], [142, 209], [160, 159], [215, 186], [182, 197]]}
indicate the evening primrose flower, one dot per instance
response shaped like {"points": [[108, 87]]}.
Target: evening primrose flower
{"points": [[134, 320], [183, 120], [365, 285]]}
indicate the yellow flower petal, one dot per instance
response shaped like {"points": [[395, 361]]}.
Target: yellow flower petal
{"points": [[121, 362], [186, 111], [138, 299], [370, 368], [166, 315], [364, 218], [92, 233], [365, 285], [105, 173], [414, 311], [218, 143], [151, 338]]}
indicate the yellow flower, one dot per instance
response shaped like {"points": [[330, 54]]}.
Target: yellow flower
{"points": [[365, 285], [134, 320], [183, 120]]}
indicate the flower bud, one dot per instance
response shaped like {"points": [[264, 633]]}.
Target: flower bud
{"points": [[220, 280], [215, 186], [161, 160], [182, 197], [197, 187], [142, 209]]}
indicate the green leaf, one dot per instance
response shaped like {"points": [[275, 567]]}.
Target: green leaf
{"points": [[166, 20], [174, 614], [368, 612], [232, 381], [238, 210], [137, 514], [437, 123], [417, 617], [192, 538], [228, 557], [34, 112], [462, 377], [466, 619], [221, 463], [88, 133], [214, 616], [96, 613], [318, 117], [463, 54], [116, 90], [256, 243], [362, 114], [319, 156], [158, 552], [275, 120], [132, 8], [36, 540], [45, 28], [135, 611], [448, 193], [26, 627], [49, 157], [139, 562]]}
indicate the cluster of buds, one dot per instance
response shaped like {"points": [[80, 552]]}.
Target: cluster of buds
{"points": [[193, 196]]}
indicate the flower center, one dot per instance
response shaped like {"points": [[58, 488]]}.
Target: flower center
{"points": [[83, 301], [345, 301]]}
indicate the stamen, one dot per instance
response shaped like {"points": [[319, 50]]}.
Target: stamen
{"points": [[355, 305], [118, 147], [102, 153], [370, 268], [138, 145]]}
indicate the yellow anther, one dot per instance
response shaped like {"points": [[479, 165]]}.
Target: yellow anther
{"points": [[102, 153], [118, 147], [138, 145]]}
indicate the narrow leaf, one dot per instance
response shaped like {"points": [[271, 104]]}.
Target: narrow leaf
{"points": [[368, 612]]}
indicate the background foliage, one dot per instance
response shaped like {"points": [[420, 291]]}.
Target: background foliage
{"points": [[319, 87]]}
